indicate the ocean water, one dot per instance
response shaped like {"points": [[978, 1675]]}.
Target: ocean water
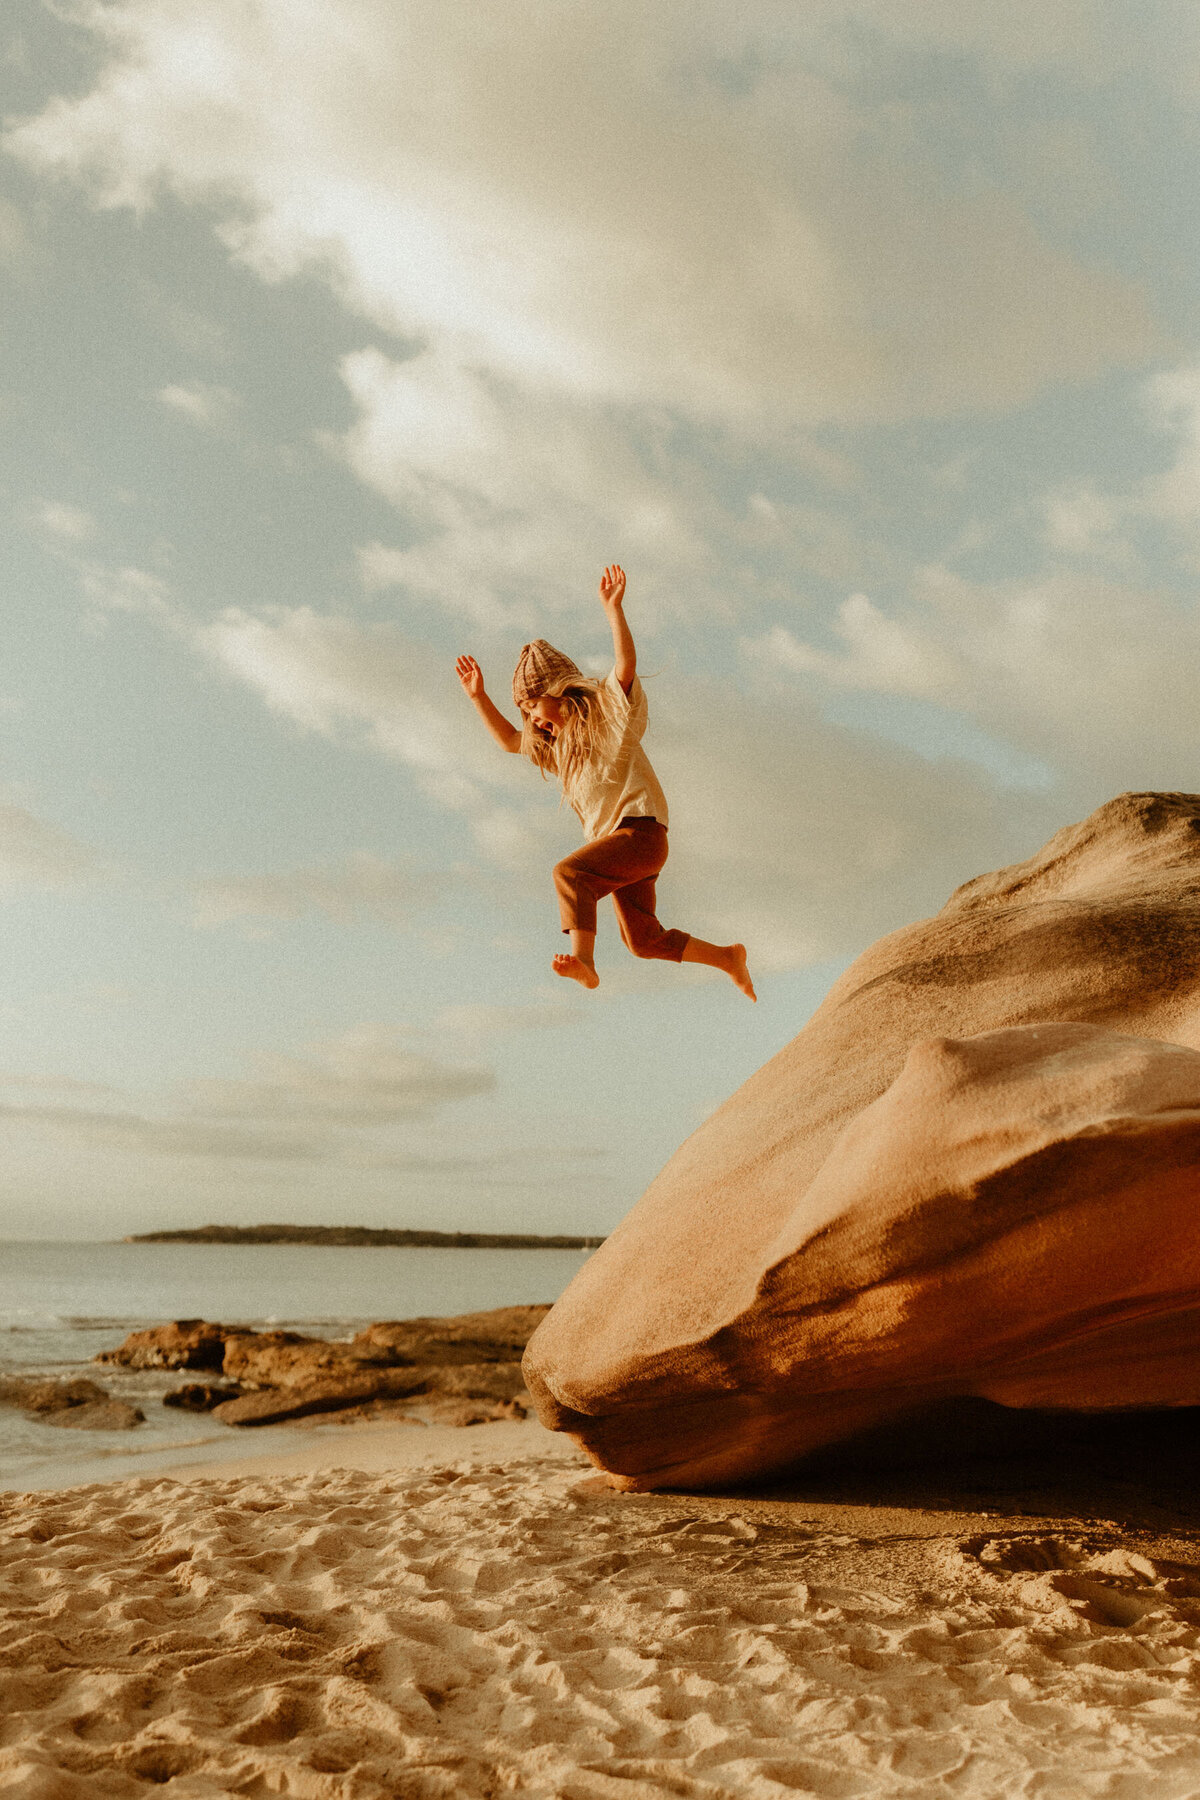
{"points": [[60, 1304]]}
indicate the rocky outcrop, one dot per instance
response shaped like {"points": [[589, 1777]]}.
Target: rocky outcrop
{"points": [[76, 1404], [185, 1344], [976, 1171], [271, 1406], [285, 1359], [497, 1336], [468, 1364], [480, 1381]]}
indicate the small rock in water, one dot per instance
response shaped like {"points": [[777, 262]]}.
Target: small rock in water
{"points": [[201, 1396], [97, 1415], [38, 1394], [78, 1404]]}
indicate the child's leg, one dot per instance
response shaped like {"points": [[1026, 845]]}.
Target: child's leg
{"points": [[625, 856], [729, 957], [579, 965], [644, 936], [635, 905]]}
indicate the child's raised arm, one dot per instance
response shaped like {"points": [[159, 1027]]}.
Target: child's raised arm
{"points": [[471, 676], [612, 594]]}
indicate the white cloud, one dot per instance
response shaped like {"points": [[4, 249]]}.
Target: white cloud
{"points": [[1096, 677], [365, 1077], [1080, 522], [1083, 522], [335, 675], [58, 1084], [204, 403], [586, 237], [125, 590], [519, 498], [477, 1020], [807, 840], [33, 853], [109, 587], [313, 1108], [365, 886], [602, 211], [1174, 496], [879, 654], [69, 522], [141, 1135]]}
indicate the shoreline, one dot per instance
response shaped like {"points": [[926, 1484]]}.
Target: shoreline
{"points": [[164, 1396], [379, 1449], [293, 1450]]}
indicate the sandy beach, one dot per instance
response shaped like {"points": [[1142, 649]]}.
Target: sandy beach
{"points": [[497, 1620]]}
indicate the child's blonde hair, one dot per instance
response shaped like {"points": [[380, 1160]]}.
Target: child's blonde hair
{"points": [[585, 731]]}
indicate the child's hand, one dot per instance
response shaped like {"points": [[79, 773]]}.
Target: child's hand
{"points": [[471, 676], [612, 586]]}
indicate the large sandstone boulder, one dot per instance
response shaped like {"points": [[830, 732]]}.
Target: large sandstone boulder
{"points": [[976, 1171]]}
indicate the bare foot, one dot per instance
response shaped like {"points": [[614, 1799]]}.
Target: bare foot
{"points": [[576, 970], [738, 972]]}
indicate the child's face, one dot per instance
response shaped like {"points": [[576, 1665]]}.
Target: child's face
{"points": [[546, 715]]}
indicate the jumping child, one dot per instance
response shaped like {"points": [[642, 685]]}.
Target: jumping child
{"points": [[588, 733]]}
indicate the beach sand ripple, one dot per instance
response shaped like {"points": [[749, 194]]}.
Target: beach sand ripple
{"points": [[480, 1630]]}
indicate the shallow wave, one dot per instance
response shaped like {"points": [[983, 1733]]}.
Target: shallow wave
{"points": [[99, 1452], [277, 1320], [46, 1321]]}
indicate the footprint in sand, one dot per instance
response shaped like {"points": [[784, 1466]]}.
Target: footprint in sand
{"points": [[1114, 1586]]}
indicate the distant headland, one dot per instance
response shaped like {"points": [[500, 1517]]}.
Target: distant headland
{"points": [[358, 1236]]}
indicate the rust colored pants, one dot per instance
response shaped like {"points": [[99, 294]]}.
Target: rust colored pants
{"points": [[623, 864]]}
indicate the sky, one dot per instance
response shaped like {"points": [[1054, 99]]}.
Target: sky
{"points": [[338, 339]]}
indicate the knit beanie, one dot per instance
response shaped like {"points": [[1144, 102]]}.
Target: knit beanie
{"points": [[540, 667]]}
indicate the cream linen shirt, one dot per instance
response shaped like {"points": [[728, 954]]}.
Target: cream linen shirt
{"points": [[618, 781]]}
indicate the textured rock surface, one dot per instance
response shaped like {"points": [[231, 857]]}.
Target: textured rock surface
{"points": [[184, 1344], [75, 1403], [283, 1359], [975, 1171], [201, 1396], [277, 1375], [269, 1406], [97, 1415], [497, 1336]]}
